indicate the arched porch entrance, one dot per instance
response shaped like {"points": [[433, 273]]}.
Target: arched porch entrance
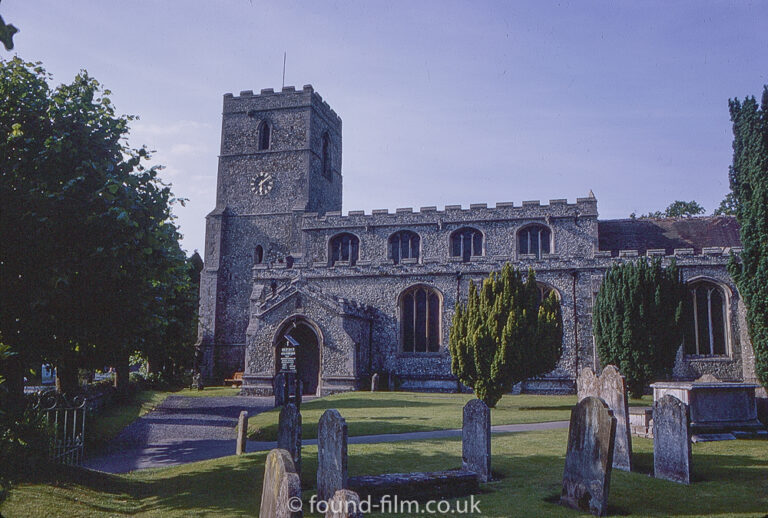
{"points": [[305, 337]]}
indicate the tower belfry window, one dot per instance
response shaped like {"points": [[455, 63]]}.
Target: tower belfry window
{"points": [[326, 155], [534, 240], [344, 247], [264, 134], [466, 243]]}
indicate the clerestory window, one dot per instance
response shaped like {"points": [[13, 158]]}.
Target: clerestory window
{"points": [[404, 245], [534, 240], [466, 243], [344, 247]]}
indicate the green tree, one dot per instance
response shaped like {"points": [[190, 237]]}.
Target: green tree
{"points": [[676, 209], [6, 34], [727, 207], [504, 334], [749, 186], [91, 263], [638, 320]]}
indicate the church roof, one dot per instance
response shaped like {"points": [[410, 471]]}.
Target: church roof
{"points": [[668, 233]]}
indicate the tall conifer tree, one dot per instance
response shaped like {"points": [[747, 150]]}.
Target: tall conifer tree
{"points": [[749, 186]]}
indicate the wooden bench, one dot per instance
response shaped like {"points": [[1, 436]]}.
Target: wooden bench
{"points": [[236, 380]]}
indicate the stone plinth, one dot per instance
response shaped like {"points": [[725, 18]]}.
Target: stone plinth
{"points": [[714, 406]]}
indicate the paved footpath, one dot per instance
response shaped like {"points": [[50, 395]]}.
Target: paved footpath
{"points": [[187, 429]]}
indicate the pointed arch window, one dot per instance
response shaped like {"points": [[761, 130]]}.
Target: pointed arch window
{"points": [[466, 243], [404, 245], [344, 247], [534, 240], [264, 135], [420, 320], [326, 155], [258, 255], [706, 332]]}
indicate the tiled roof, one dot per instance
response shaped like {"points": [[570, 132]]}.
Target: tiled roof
{"points": [[668, 233]]}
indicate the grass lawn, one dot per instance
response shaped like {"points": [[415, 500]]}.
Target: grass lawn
{"points": [[370, 413], [729, 480], [107, 424]]}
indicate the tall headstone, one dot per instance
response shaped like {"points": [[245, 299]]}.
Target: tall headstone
{"points": [[281, 487], [289, 433], [611, 387], [331, 454], [375, 382], [344, 504], [476, 439], [242, 433], [671, 440], [588, 460]]}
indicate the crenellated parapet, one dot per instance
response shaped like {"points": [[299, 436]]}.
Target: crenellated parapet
{"points": [[268, 99]]}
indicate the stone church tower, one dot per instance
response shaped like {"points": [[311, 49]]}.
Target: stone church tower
{"points": [[280, 157]]}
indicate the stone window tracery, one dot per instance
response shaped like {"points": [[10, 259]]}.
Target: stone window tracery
{"points": [[344, 247], [534, 240], [404, 245], [264, 134], [466, 243], [420, 320], [707, 320]]}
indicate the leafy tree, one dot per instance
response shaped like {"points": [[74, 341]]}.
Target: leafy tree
{"points": [[727, 207], [91, 267], [504, 334], [638, 320], [676, 209], [749, 186], [6, 34]]}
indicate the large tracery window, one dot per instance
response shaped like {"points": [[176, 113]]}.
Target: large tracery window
{"points": [[466, 243], [707, 320], [420, 320], [534, 240], [404, 245], [344, 247], [264, 132]]}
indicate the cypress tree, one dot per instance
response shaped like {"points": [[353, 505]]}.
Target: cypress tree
{"points": [[749, 185], [504, 334], [637, 320]]}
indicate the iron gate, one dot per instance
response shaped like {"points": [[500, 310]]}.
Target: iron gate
{"points": [[66, 419]]}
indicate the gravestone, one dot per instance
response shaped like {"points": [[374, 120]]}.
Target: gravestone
{"points": [[289, 433], [671, 440], [281, 489], [588, 460], [476, 439], [242, 433], [344, 504], [331, 454], [611, 387], [375, 382]]}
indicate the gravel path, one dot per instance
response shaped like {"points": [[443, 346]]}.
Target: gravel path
{"points": [[181, 429], [187, 429]]}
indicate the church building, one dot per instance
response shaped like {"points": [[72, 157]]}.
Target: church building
{"points": [[361, 293]]}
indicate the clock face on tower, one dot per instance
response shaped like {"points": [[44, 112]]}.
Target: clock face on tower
{"points": [[262, 183]]}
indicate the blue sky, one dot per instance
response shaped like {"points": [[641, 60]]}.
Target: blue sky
{"points": [[442, 102]]}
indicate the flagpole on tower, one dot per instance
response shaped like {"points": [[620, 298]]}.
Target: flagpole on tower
{"points": [[284, 55]]}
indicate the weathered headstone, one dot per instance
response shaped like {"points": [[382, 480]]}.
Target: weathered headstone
{"points": [[375, 382], [671, 440], [278, 388], [197, 381], [242, 433], [331, 454], [281, 489], [588, 460], [476, 439], [344, 504], [611, 387], [289, 433]]}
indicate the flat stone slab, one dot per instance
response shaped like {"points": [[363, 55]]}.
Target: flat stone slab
{"points": [[711, 437], [417, 486]]}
